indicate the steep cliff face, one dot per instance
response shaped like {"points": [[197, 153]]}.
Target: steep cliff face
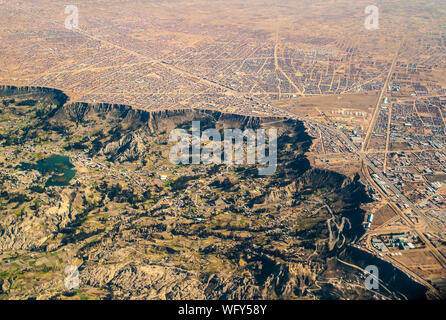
{"points": [[141, 125], [349, 196], [51, 95]]}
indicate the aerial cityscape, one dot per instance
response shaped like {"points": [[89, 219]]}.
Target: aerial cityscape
{"points": [[93, 207]]}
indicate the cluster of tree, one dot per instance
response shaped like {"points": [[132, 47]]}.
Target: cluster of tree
{"points": [[28, 102], [96, 145], [18, 198], [10, 140], [43, 112], [116, 193], [60, 129], [115, 133], [36, 188], [7, 102], [75, 146], [70, 236]]}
